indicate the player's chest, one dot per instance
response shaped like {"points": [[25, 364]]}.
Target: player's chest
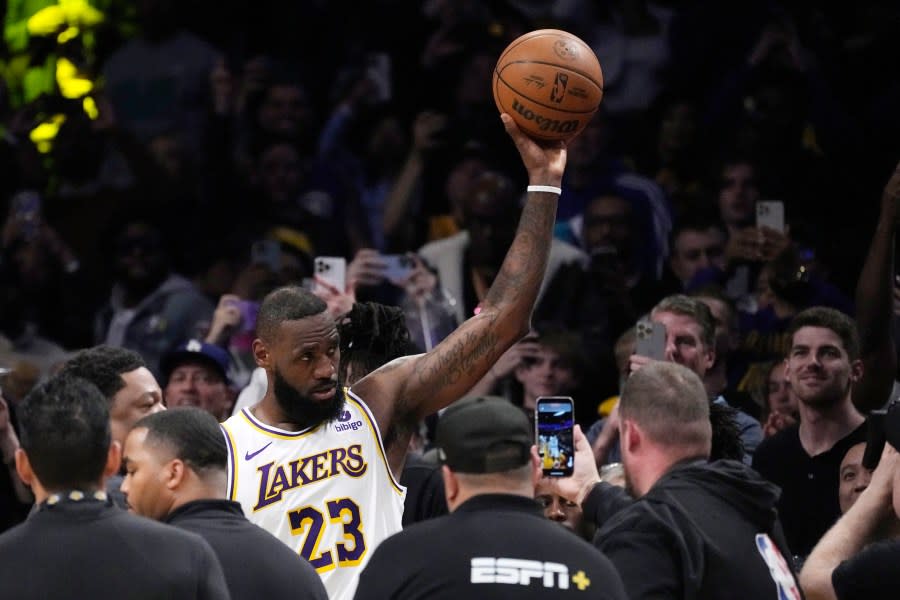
{"points": [[271, 469]]}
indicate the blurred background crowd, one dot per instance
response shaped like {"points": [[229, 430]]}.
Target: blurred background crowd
{"points": [[165, 165]]}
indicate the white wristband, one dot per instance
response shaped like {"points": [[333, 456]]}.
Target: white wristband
{"points": [[552, 189]]}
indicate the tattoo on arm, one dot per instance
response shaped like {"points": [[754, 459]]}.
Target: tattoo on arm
{"points": [[449, 365]]}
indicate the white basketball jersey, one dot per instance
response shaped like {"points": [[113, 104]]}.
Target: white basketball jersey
{"points": [[326, 492]]}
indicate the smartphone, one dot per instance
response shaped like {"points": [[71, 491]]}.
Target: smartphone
{"points": [[26, 210], [770, 213], [397, 267], [378, 71], [249, 311], [332, 270], [554, 425], [651, 339], [268, 253]]}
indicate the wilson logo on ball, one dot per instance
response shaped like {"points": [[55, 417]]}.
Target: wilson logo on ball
{"points": [[544, 123]]}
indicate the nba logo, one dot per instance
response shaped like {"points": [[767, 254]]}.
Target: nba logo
{"points": [[344, 416], [559, 88]]}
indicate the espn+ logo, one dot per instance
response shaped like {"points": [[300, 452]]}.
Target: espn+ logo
{"points": [[516, 571]]}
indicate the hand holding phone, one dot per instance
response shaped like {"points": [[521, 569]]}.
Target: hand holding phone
{"points": [[554, 434]]}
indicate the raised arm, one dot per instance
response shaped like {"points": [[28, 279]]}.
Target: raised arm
{"points": [[851, 534], [874, 303], [413, 387]]}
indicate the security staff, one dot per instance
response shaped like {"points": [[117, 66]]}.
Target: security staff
{"points": [[176, 464], [495, 543], [77, 544]]}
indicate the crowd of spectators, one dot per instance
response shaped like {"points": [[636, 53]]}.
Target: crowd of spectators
{"points": [[164, 166]]}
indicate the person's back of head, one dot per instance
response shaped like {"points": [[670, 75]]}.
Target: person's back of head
{"points": [[65, 437], [667, 403], [486, 445], [173, 457], [371, 335]]}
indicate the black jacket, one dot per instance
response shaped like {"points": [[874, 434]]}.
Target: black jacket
{"points": [[493, 546], [703, 531], [91, 549], [256, 564]]}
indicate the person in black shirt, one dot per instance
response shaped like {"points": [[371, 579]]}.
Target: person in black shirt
{"points": [[495, 543], [846, 564], [175, 465], [77, 544], [804, 460]]}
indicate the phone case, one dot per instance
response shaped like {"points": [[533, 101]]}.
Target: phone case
{"points": [[397, 267], [770, 213], [332, 270], [267, 252], [554, 424], [651, 339]]}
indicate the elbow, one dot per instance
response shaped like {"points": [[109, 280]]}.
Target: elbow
{"points": [[816, 585]]}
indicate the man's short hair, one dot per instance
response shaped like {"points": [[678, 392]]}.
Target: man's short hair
{"points": [[289, 303], [191, 434], [694, 308], [566, 343], [828, 318], [669, 403], [700, 221], [104, 366], [64, 430]]}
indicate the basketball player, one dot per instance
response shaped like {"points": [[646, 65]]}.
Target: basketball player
{"points": [[316, 467]]}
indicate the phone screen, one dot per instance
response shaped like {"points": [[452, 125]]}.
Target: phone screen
{"points": [[555, 420], [268, 253]]}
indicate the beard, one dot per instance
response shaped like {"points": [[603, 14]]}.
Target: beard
{"points": [[303, 410]]}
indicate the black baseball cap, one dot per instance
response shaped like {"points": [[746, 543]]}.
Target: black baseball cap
{"points": [[484, 434]]}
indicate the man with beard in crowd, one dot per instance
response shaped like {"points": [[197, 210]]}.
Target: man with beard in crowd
{"points": [[316, 467]]}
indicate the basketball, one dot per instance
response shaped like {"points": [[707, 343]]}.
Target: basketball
{"points": [[550, 83]]}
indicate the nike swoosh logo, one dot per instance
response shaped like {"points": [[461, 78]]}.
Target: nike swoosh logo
{"points": [[250, 455]]}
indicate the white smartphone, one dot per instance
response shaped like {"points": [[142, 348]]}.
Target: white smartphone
{"points": [[332, 270], [651, 339], [770, 213]]}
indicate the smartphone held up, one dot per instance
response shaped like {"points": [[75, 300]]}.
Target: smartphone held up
{"points": [[554, 424], [651, 339]]}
